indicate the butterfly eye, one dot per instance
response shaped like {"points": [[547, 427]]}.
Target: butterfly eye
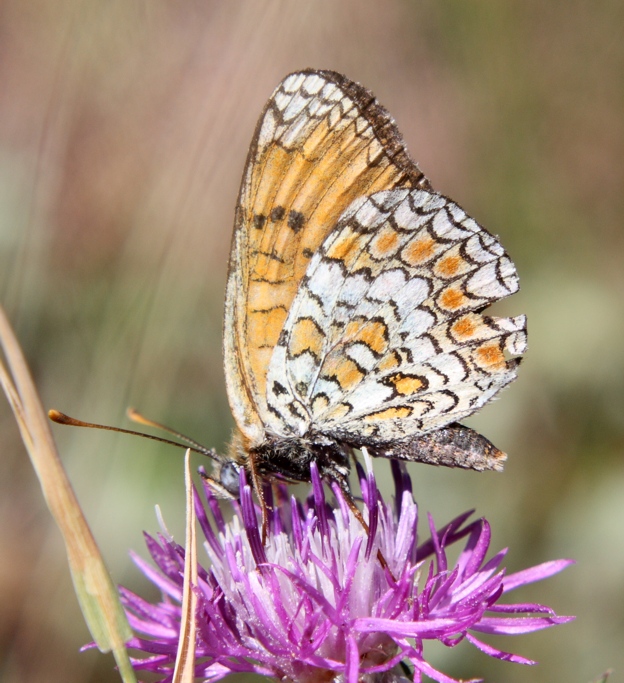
{"points": [[229, 477]]}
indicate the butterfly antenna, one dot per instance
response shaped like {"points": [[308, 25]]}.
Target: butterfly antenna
{"points": [[61, 418], [137, 417]]}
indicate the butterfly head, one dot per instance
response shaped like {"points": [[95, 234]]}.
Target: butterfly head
{"points": [[225, 478]]}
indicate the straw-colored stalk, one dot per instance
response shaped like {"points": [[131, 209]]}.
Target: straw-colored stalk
{"points": [[94, 587]]}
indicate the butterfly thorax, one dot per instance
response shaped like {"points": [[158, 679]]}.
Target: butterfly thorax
{"points": [[290, 458]]}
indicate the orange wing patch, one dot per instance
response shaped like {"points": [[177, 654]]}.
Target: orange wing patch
{"points": [[344, 370], [464, 328], [307, 337], [419, 250], [490, 356], [452, 299], [372, 333], [385, 243], [390, 414], [345, 249], [390, 361], [406, 385], [448, 266]]}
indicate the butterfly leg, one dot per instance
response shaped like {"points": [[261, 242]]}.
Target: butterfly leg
{"points": [[256, 480]]}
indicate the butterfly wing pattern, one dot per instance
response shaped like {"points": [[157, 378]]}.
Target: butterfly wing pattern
{"points": [[354, 306]]}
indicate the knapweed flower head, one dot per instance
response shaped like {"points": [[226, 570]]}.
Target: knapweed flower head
{"points": [[325, 599]]}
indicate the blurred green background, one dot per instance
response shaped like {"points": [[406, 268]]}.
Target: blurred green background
{"points": [[124, 128]]}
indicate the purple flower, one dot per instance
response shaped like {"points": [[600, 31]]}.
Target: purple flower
{"points": [[323, 599]]}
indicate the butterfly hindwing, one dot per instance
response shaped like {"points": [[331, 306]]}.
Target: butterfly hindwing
{"points": [[385, 339]]}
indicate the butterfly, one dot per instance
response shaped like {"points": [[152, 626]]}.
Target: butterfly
{"points": [[355, 297]]}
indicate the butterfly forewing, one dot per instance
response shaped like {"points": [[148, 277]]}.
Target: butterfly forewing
{"points": [[321, 142]]}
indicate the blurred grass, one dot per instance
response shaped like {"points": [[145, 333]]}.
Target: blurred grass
{"points": [[124, 128]]}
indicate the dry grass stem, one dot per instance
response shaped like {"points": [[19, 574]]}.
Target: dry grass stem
{"points": [[94, 587]]}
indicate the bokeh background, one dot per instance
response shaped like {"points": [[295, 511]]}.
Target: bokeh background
{"points": [[124, 126]]}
